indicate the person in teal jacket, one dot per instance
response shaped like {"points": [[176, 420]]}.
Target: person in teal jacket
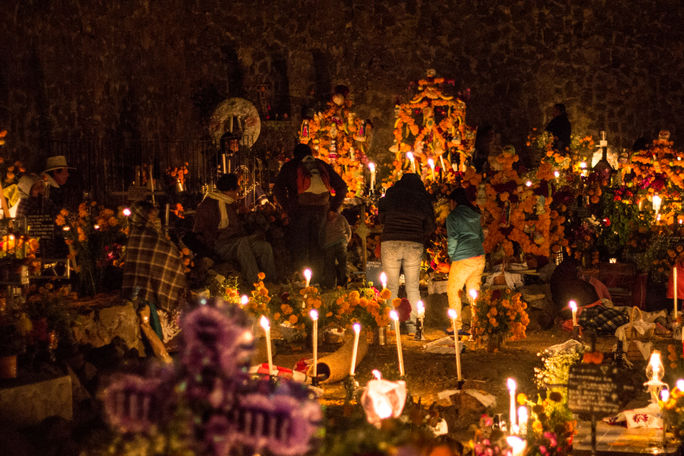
{"points": [[465, 238]]}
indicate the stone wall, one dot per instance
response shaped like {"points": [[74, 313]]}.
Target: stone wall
{"points": [[146, 69]]}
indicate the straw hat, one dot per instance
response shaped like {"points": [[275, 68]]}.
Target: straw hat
{"points": [[56, 162], [26, 183]]}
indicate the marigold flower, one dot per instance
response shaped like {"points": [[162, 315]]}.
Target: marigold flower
{"points": [[261, 276]]}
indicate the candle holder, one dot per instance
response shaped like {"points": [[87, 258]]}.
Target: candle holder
{"points": [[576, 335], [419, 330], [351, 387]]}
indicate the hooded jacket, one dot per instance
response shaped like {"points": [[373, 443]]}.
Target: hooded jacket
{"points": [[406, 212], [464, 233]]}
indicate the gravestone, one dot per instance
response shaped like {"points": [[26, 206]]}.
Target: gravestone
{"points": [[598, 390], [41, 226]]}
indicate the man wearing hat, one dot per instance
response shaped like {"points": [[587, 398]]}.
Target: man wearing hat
{"points": [[57, 173]]}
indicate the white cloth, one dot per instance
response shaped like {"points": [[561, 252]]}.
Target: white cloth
{"points": [[223, 200]]}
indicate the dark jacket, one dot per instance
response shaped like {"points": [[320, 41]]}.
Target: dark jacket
{"points": [[286, 192], [464, 232], [406, 211], [560, 128]]}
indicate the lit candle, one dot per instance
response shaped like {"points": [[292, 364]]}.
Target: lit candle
{"points": [[244, 300], [523, 417], [473, 295], [371, 166], [573, 307], [267, 331], [452, 314], [556, 174], [409, 155], [528, 183], [680, 384], [657, 201], [511, 390], [314, 318], [431, 164], [674, 291], [517, 444], [441, 162], [307, 276], [357, 331], [395, 316], [420, 309], [383, 280]]}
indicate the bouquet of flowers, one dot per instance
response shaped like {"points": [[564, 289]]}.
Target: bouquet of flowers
{"points": [[499, 314], [367, 305], [95, 236], [550, 428]]}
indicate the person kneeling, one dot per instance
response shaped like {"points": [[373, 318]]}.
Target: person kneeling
{"points": [[218, 226]]}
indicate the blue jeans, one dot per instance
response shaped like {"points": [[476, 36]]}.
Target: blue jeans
{"points": [[406, 255]]}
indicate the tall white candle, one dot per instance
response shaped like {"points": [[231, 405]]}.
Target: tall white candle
{"points": [[357, 331], [371, 166], [307, 276], [314, 318], [431, 164], [573, 307], [452, 314], [395, 316], [383, 280], [511, 390], [409, 155], [441, 162], [674, 291], [267, 331]]}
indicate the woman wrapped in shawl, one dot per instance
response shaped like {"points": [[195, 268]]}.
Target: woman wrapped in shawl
{"points": [[153, 269]]}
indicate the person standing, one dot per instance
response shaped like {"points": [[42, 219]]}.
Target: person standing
{"points": [[57, 174], [464, 238], [560, 128], [308, 189], [408, 221], [334, 240]]}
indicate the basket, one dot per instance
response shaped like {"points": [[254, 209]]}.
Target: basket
{"points": [[632, 336]]}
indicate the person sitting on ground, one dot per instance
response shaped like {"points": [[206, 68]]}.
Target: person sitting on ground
{"points": [[334, 240], [218, 226], [567, 285], [153, 273]]}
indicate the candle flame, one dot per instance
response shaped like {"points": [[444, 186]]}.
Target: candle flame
{"points": [[263, 321], [523, 416], [313, 314], [394, 315], [655, 363], [517, 445], [556, 174], [420, 308], [431, 163], [573, 305], [244, 300], [307, 274], [409, 155], [383, 279], [357, 327], [126, 212], [371, 166], [528, 183], [376, 373], [473, 293], [511, 384], [680, 384], [664, 395], [452, 314]]}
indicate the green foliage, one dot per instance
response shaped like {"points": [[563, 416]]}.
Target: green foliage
{"points": [[553, 375]]}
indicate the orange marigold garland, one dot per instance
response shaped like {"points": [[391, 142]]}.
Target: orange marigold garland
{"points": [[339, 137]]}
